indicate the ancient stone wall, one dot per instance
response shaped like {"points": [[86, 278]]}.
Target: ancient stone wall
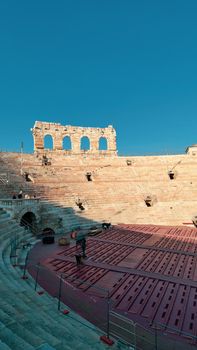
{"points": [[138, 189], [75, 134]]}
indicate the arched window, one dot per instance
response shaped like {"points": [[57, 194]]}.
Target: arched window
{"points": [[85, 143], [67, 143], [48, 142], [102, 144]]}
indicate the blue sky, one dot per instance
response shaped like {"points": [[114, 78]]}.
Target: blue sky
{"points": [[129, 63]]}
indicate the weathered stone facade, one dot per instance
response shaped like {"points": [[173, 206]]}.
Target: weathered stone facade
{"points": [[137, 189], [58, 132]]}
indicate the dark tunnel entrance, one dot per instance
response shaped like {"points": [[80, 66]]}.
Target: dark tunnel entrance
{"points": [[48, 231], [28, 221]]}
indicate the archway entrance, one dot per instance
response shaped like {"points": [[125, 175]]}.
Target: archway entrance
{"points": [[48, 231], [28, 221]]}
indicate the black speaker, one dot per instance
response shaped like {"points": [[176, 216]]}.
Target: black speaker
{"points": [[48, 239]]}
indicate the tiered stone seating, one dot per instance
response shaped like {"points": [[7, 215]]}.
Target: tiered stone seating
{"points": [[29, 321], [115, 194], [117, 191], [12, 165]]}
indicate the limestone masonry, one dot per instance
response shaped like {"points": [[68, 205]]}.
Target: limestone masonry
{"points": [[146, 262], [85, 187], [58, 132]]}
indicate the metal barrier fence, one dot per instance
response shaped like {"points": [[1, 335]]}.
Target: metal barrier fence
{"points": [[122, 328], [155, 338], [95, 305]]}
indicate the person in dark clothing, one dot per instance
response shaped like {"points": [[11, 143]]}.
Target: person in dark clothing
{"points": [[14, 196], [83, 247], [78, 253], [78, 259]]}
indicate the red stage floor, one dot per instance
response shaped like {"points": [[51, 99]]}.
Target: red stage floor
{"points": [[149, 271]]}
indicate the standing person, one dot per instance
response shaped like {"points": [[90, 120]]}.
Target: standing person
{"points": [[78, 253], [83, 247], [14, 196]]}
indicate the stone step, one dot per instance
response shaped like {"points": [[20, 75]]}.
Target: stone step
{"points": [[12, 340], [31, 336], [46, 346], [4, 346]]}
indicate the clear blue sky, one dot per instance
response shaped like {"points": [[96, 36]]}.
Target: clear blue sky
{"points": [[129, 63]]}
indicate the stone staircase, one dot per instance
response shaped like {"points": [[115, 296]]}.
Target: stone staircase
{"points": [[28, 320]]}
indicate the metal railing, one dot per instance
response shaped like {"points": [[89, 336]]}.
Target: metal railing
{"points": [[95, 304], [4, 178], [12, 203]]}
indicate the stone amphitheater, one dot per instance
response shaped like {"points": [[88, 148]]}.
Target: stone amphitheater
{"points": [[145, 264]]}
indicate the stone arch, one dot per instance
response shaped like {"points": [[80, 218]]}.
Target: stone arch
{"points": [[58, 132], [35, 211], [48, 141], [67, 143], [29, 222], [48, 231], [103, 143], [85, 143]]}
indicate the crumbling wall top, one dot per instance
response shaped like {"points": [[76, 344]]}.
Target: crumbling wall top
{"points": [[76, 133]]}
